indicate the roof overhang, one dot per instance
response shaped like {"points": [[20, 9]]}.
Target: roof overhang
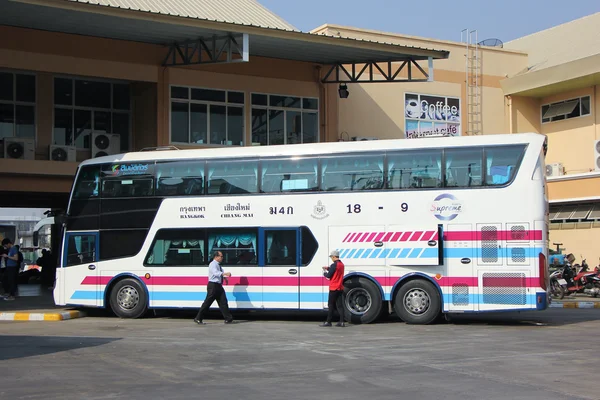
{"points": [[576, 74], [134, 25]]}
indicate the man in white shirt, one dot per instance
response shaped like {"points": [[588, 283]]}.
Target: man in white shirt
{"points": [[215, 291]]}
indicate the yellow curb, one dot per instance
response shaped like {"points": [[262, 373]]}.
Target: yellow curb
{"points": [[49, 316]]}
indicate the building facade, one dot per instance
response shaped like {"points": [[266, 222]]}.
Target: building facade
{"points": [[545, 83], [79, 79]]}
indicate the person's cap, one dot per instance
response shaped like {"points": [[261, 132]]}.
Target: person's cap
{"points": [[334, 253]]}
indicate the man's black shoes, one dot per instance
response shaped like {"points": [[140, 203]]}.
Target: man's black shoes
{"points": [[228, 321], [199, 321], [340, 324], [325, 324]]}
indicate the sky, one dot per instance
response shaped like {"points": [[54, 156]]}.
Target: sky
{"points": [[499, 19]]}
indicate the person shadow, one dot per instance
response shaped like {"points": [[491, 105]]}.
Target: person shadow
{"points": [[240, 293]]}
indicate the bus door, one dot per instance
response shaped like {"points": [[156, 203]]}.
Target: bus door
{"points": [[460, 283], [280, 258], [81, 284]]}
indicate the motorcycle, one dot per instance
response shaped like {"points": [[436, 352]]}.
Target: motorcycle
{"points": [[571, 282]]}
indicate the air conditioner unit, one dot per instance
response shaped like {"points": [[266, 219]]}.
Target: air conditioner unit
{"points": [[597, 155], [63, 153], [361, 138], [555, 169], [19, 148], [104, 144]]}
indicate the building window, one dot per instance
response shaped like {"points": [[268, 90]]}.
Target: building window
{"points": [[284, 119], [85, 106], [17, 105], [207, 116], [566, 109]]}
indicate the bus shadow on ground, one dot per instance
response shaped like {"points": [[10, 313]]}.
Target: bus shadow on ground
{"points": [[13, 347]]}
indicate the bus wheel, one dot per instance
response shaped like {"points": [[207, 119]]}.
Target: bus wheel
{"points": [[418, 302], [128, 299], [362, 300]]}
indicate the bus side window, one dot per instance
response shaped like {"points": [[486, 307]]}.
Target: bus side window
{"points": [[289, 175], [356, 172], [463, 167], [88, 181], [180, 178], [502, 163], [415, 169], [232, 177], [81, 249]]}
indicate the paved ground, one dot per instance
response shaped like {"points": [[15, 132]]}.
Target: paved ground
{"points": [[273, 356]]}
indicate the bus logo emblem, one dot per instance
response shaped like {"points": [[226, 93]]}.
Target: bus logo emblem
{"points": [[446, 207], [319, 211]]}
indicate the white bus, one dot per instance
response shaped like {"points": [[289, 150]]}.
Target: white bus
{"points": [[423, 226]]}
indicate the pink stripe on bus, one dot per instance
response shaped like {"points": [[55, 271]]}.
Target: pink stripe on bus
{"points": [[416, 236], [396, 237], [387, 236], [405, 236]]}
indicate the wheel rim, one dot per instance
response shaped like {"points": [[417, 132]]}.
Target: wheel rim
{"points": [[128, 297], [417, 301], [358, 301]]}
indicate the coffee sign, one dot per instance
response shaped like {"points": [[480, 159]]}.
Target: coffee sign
{"points": [[431, 116]]}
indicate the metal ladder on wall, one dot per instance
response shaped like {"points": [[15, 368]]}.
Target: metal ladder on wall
{"points": [[473, 81]]}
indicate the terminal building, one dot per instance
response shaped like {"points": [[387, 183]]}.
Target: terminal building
{"points": [[79, 79]]}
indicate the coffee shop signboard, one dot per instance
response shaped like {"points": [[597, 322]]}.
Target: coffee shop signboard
{"points": [[431, 116]]}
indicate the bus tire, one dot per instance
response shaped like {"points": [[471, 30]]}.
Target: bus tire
{"points": [[128, 299], [362, 300], [418, 302]]}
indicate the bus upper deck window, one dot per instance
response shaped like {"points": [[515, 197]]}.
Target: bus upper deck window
{"points": [[88, 182]]}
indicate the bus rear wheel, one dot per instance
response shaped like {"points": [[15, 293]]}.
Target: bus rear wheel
{"points": [[128, 299], [362, 300], [418, 302]]}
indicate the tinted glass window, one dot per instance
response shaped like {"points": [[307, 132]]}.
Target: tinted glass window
{"points": [[502, 164], [237, 245], [117, 244], [178, 92], [235, 97], [121, 96], [92, 94], [357, 172], [127, 187], [310, 104], [208, 95], [26, 88], [227, 177], [280, 247], [81, 249], [178, 247], [259, 99], [309, 245], [415, 169], [180, 178], [6, 86], [463, 167], [289, 175], [88, 181]]}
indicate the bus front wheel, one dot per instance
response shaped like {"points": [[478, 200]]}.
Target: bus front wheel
{"points": [[362, 300], [128, 299], [418, 302]]}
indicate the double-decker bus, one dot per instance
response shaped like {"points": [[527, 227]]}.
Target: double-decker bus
{"points": [[423, 226]]}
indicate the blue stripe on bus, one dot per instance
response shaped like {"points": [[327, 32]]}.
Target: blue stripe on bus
{"points": [[283, 297], [491, 299], [287, 297], [429, 252]]}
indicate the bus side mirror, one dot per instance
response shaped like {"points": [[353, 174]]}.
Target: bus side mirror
{"points": [[36, 237]]}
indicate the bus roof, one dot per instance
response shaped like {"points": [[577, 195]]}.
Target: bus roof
{"points": [[319, 148]]}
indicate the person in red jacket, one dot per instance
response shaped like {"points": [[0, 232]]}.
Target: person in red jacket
{"points": [[335, 274]]}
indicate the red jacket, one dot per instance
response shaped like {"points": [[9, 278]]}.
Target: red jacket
{"points": [[335, 274]]}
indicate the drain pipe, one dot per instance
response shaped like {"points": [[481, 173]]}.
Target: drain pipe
{"points": [[322, 105]]}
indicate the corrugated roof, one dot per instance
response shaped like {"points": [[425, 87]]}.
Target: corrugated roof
{"points": [[560, 44], [77, 18], [244, 12]]}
